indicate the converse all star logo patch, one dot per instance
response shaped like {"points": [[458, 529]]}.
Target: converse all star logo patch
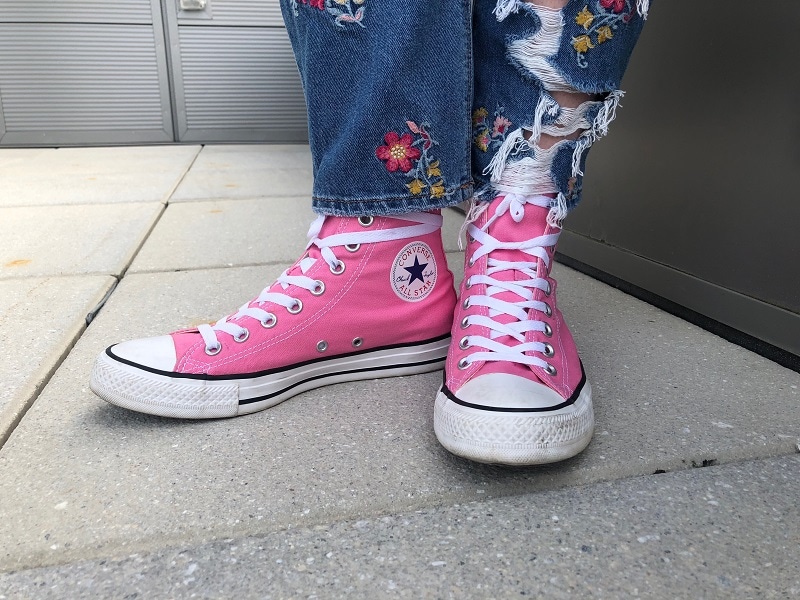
{"points": [[413, 272]]}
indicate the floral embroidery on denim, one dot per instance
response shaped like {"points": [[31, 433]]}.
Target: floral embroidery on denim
{"points": [[410, 154], [343, 11], [486, 136], [600, 25]]}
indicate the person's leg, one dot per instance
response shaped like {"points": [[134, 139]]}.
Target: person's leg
{"points": [[546, 88], [372, 296], [386, 92]]}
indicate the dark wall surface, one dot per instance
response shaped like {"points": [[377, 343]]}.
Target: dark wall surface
{"points": [[700, 171]]}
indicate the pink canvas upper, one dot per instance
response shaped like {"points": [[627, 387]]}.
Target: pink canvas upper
{"points": [[367, 301], [565, 359]]}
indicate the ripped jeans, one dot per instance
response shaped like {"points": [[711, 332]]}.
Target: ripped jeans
{"points": [[420, 105]]}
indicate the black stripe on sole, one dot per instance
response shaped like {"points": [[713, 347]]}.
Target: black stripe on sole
{"points": [[337, 373], [568, 402], [207, 377]]}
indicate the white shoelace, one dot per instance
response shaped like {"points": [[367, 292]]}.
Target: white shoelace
{"points": [[520, 310], [424, 223]]}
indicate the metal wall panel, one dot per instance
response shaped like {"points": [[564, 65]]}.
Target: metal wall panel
{"points": [[75, 11], [93, 72], [84, 83], [241, 13], [235, 83], [692, 197], [238, 84]]}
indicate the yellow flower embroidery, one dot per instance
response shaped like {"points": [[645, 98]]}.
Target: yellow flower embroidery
{"points": [[479, 115], [416, 187], [433, 169], [585, 18], [582, 43], [437, 189], [604, 34]]}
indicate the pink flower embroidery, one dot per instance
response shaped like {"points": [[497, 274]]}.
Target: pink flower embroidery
{"points": [[615, 5], [320, 4], [397, 152], [501, 125]]}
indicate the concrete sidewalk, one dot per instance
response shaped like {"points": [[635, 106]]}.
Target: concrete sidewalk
{"points": [[344, 491]]}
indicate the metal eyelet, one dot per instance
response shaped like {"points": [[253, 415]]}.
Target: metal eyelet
{"points": [[352, 247], [469, 283], [548, 331], [319, 288], [322, 345], [471, 262], [464, 322], [339, 269], [464, 343], [550, 370], [242, 337], [465, 304], [463, 363], [548, 310], [357, 342], [549, 352], [214, 351], [295, 308], [549, 290], [271, 321], [366, 221]]}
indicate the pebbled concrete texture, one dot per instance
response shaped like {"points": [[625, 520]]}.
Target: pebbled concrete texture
{"points": [[40, 318], [247, 171], [38, 177], [107, 480], [197, 235], [720, 532], [40, 241], [344, 491]]}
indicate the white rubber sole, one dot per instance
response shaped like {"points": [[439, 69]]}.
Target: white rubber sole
{"points": [[514, 438], [200, 397]]}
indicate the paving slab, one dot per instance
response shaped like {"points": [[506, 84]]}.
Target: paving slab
{"points": [[720, 532], [39, 241], [36, 177], [197, 235], [247, 171], [40, 319], [80, 479]]}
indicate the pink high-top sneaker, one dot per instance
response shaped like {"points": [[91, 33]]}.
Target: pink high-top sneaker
{"points": [[370, 297], [515, 392]]}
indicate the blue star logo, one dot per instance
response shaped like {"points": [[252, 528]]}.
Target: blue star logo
{"points": [[416, 270]]}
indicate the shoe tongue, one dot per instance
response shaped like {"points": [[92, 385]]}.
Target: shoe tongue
{"points": [[330, 226], [505, 229]]}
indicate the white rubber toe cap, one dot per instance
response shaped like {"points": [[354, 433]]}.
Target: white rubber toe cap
{"points": [[154, 353], [501, 390]]}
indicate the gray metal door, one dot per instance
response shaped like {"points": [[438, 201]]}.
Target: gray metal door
{"points": [[83, 71], [233, 71], [142, 71]]}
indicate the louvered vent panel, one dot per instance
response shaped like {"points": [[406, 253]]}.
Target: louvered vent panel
{"points": [[76, 11], [253, 13], [79, 77], [240, 78]]}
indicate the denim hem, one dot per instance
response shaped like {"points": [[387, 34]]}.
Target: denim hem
{"points": [[390, 206]]}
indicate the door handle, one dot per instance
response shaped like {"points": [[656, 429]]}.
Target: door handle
{"points": [[193, 4]]}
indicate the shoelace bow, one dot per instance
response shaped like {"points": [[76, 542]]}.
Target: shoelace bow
{"points": [[523, 310], [424, 223]]}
